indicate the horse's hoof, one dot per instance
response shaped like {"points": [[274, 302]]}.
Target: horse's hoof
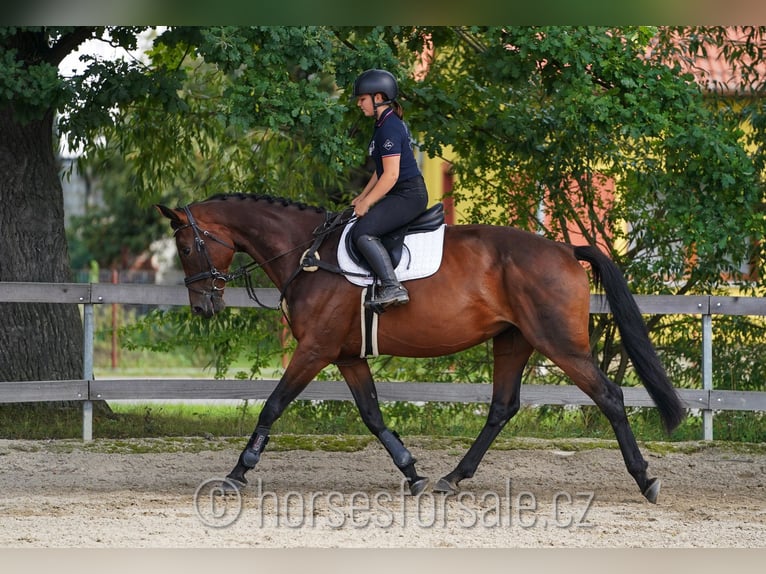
{"points": [[445, 485], [231, 485], [418, 486], [652, 491]]}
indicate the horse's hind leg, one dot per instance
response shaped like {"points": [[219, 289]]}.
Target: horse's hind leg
{"points": [[610, 400], [608, 397], [359, 378], [511, 353]]}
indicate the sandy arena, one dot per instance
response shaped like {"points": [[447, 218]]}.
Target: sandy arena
{"points": [[63, 494]]}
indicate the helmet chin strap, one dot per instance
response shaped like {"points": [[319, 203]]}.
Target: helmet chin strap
{"points": [[376, 105]]}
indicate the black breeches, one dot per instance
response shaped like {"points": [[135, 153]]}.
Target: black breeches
{"points": [[397, 208]]}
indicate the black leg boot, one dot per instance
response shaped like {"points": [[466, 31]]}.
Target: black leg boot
{"points": [[391, 292]]}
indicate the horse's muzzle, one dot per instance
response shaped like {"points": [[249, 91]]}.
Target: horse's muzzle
{"points": [[206, 304]]}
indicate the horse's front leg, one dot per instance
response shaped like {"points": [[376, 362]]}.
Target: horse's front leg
{"points": [[357, 374], [302, 369]]}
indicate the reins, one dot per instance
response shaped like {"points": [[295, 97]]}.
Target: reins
{"points": [[311, 261], [333, 221]]}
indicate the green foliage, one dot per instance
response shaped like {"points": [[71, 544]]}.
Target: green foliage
{"points": [[533, 113], [28, 81], [535, 116], [470, 366], [547, 115], [219, 341], [740, 344], [261, 101], [117, 229], [334, 420]]}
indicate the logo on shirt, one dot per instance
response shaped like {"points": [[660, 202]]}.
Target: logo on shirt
{"points": [[387, 145]]}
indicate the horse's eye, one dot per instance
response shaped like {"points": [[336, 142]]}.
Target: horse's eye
{"points": [[186, 251]]}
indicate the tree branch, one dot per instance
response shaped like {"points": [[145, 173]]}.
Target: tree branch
{"points": [[469, 39], [68, 43]]}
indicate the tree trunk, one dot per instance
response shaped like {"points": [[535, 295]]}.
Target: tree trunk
{"points": [[37, 341]]}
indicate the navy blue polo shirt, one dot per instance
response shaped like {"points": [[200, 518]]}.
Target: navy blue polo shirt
{"points": [[392, 137]]}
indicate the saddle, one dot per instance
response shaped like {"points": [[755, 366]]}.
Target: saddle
{"points": [[429, 220], [423, 239]]}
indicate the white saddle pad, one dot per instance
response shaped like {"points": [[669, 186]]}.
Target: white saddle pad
{"points": [[421, 257]]}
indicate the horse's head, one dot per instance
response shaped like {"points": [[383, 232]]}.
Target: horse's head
{"points": [[205, 257]]}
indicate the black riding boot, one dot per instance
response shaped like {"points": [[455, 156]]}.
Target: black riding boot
{"points": [[391, 292]]}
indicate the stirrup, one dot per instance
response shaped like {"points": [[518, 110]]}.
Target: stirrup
{"points": [[390, 295]]}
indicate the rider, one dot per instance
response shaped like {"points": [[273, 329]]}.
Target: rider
{"points": [[396, 192]]}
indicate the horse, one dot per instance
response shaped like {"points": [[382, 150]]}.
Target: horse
{"points": [[517, 288]]}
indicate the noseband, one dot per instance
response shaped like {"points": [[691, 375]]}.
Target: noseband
{"points": [[219, 279]]}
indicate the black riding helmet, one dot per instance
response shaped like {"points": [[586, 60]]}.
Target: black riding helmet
{"points": [[376, 81]]}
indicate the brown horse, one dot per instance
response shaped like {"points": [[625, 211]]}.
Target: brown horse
{"points": [[519, 289]]}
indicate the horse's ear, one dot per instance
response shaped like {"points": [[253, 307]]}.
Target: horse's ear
{"points": [[171, 214]]}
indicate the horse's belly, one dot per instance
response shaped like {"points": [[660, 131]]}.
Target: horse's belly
{"points": [[418, 339]]}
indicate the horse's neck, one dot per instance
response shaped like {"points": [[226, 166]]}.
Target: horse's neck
{"points": [[275, 237]]}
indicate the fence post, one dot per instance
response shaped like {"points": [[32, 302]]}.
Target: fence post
{"points": [[707, 372], [88, 333]]}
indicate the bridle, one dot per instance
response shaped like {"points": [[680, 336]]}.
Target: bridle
{"points": [[219, 279]]}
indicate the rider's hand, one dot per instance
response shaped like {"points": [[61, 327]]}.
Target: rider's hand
{"points": [[361, 208]]}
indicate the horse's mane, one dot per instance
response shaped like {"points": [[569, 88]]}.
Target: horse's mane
{"points": [[268, 198]]}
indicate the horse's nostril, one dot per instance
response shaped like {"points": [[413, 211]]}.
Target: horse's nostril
{"points": [[197, 310]]}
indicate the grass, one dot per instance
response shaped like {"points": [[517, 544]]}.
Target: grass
{"points": [[355, 443], [341, 427]]}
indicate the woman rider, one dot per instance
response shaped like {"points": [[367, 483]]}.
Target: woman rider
{"points": [[396, 192]]}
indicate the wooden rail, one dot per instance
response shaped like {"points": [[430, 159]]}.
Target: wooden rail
{"points": [[260, 389], [89, 389]]}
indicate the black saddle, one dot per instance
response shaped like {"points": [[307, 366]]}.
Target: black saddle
{"points": [[430, 220]]}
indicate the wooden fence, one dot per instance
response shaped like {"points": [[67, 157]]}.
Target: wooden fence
{"points": [[89, 389]]}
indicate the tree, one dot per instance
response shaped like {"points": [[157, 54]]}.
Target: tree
{"points": [[40, 341], [267, 85], [558, 114]]}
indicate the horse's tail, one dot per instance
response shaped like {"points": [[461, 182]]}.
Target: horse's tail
{"points": [[635, 336]]}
